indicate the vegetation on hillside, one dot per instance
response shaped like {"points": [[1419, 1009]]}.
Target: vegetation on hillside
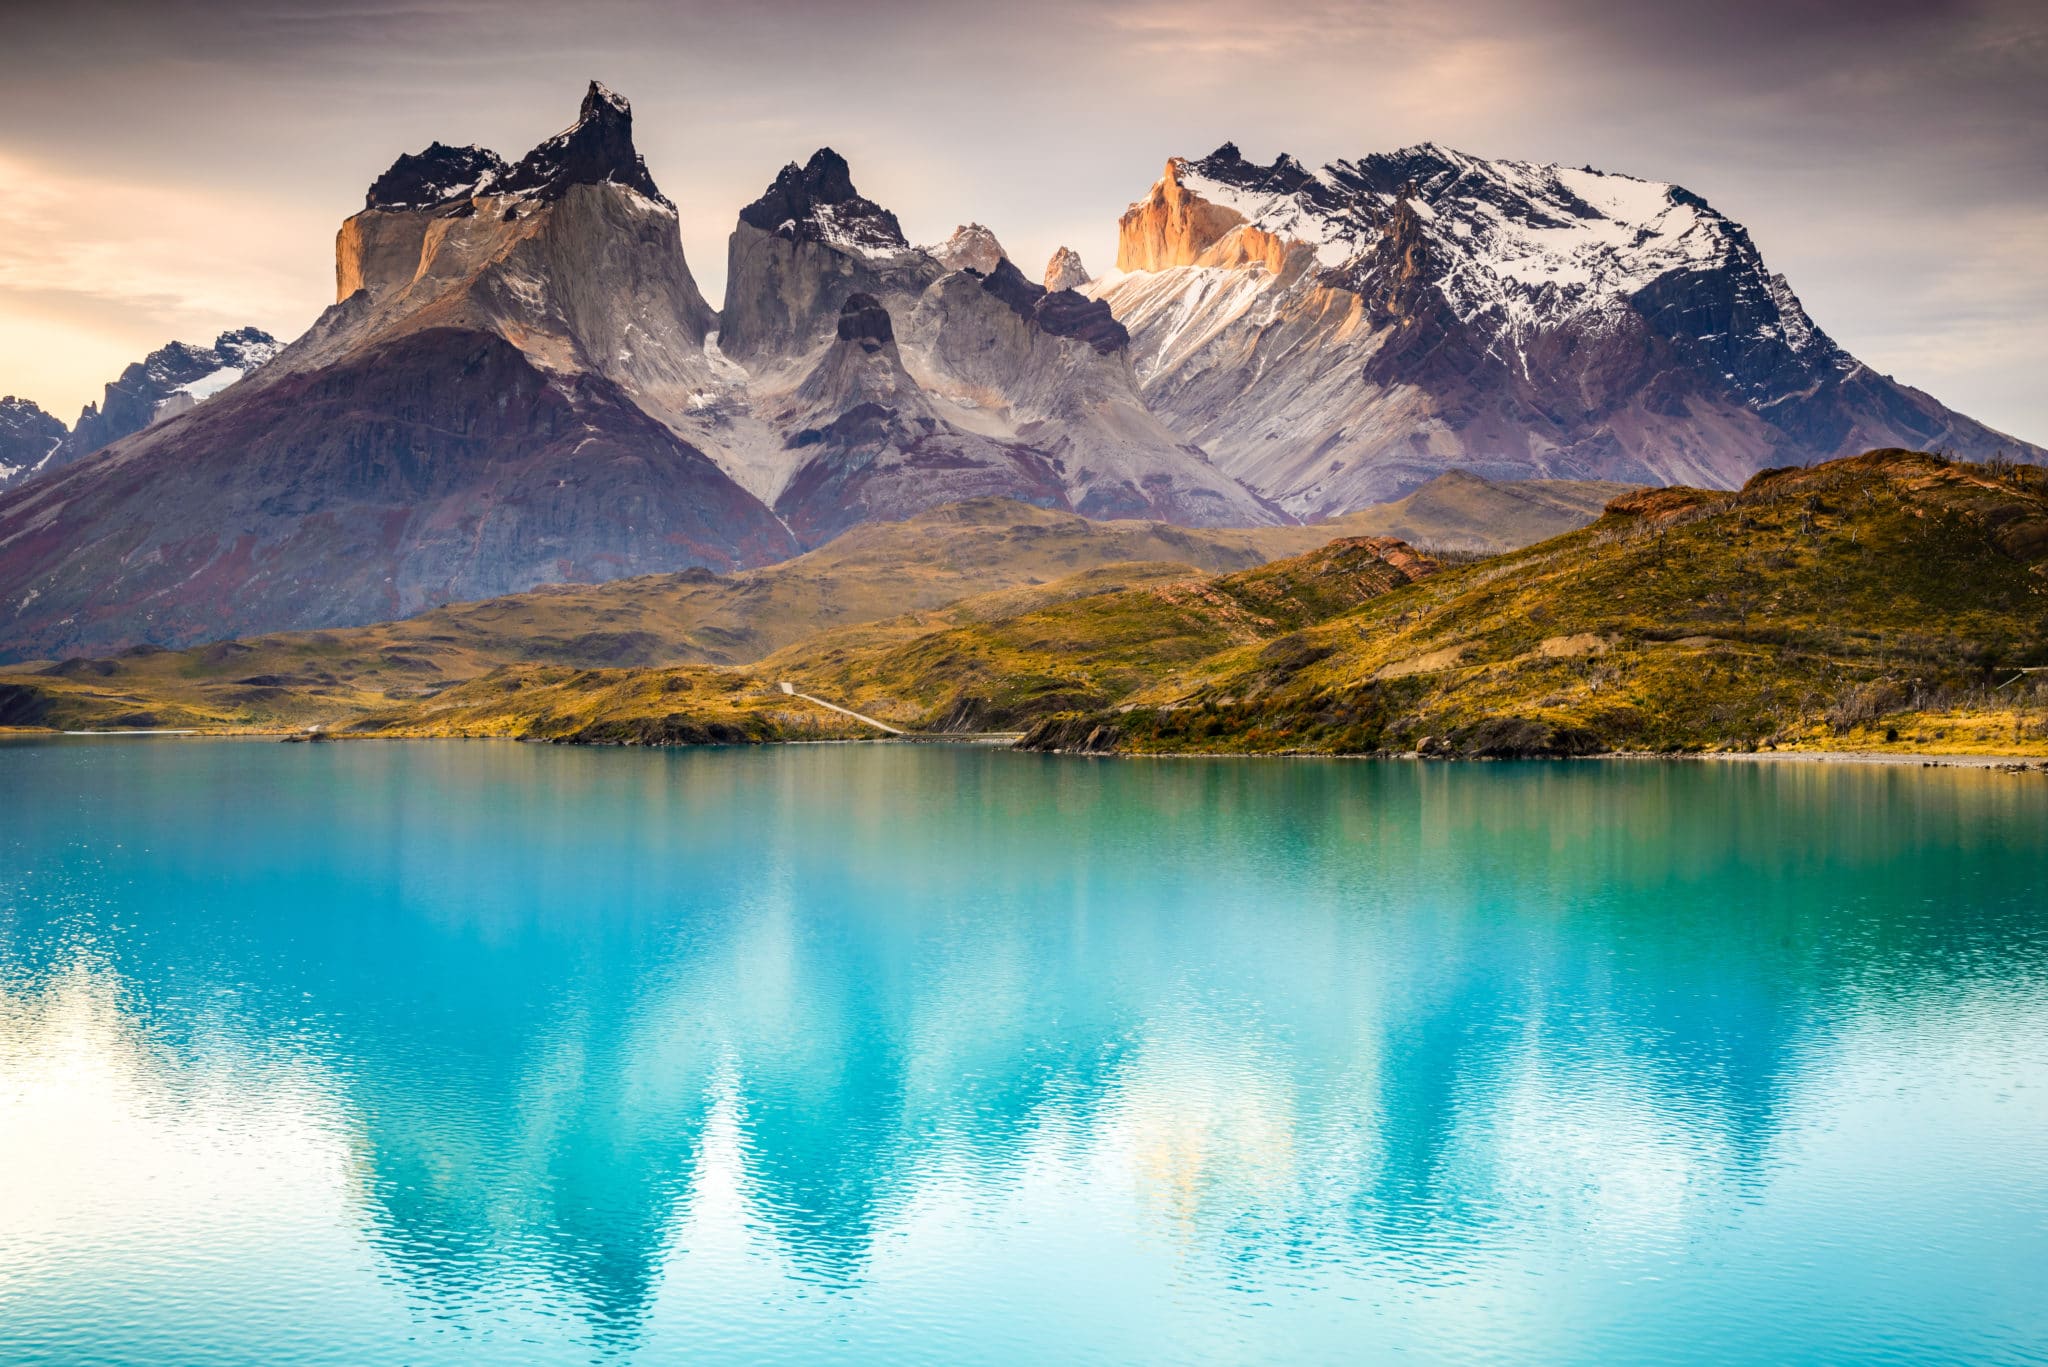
{"points": [[1895, 600]]}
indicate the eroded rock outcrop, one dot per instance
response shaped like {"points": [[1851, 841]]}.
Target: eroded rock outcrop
{"points": [[972, 248], [1065, 271]]}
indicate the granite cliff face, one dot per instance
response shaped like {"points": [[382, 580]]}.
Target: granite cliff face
{"points": [[1338, 337], [497, 400], [873, 445], [572, 253], [996, 363]]}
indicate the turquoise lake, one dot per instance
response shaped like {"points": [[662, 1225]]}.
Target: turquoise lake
{"points": [[381, 1053]]}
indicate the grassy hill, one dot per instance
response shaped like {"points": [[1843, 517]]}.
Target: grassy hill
{"points": [[1458, 511], [911, 572], [1895, 600], [295, 679], [1007, 660], [1890, 600]]}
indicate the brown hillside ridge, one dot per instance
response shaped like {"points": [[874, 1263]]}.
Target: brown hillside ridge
{"points": [[1892, 601], [906, 571]]}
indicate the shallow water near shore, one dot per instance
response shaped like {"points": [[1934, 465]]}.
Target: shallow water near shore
{"points": [[444, 1053]]}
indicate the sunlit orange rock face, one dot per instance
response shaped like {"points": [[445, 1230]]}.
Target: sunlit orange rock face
{"points": [[1173, 226]]}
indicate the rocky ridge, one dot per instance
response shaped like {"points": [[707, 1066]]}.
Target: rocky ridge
{"points": [[28, 438], [1338, 336], [168, 381], [998, 364]]}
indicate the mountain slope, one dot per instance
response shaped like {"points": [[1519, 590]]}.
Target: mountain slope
{"points": [[1888, 600], [482, 411], [996, 364], [875, 571], [1337, 337]]}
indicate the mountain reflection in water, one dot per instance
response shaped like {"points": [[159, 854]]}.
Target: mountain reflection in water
{"points": [[406, 1052]]}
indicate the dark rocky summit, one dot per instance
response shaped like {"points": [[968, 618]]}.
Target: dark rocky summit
{"points": [[596, 149], [439, 175], [862, 319], [817, 202]]}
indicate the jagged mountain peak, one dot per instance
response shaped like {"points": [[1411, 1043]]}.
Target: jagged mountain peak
{"points": [[816, 202], [1065, 271], [1228, 164], [596, 149], [440, 175], [971, 247]]}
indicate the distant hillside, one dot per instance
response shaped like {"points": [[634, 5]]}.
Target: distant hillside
{"points": [[1890, 600], [874, 571], [995, 663], [1459, 511]]}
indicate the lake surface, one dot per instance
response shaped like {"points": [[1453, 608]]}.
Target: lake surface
{"points": [[445, 1053]]}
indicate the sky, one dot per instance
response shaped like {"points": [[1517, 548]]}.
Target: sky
{"points": [[174, 168]]}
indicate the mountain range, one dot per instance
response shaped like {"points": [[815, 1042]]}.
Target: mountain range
{"points": [[1336, 337], [520, 382], [172, 379]]}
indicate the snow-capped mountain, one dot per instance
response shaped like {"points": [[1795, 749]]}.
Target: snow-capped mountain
{"points": [[1339, 336], [168, 381], [999, 365], [28, 438]]}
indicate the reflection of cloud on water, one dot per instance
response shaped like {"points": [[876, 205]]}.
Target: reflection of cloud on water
{"points": [[1203, 1122], [120, 1157]]}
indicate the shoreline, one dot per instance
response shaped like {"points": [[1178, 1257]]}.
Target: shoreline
{"points": [[2009, 762]]}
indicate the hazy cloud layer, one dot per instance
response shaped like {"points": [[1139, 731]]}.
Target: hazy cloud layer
{"points": [[178, 165]]}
